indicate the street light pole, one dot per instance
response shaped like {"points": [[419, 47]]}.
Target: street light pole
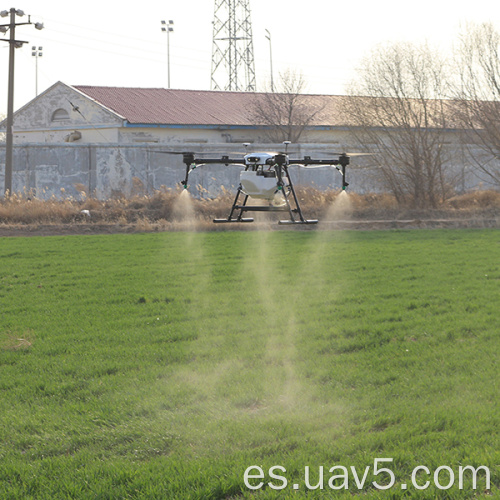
{"points": [[36, 53], [168, 29], [268, 36], [13, 44]]}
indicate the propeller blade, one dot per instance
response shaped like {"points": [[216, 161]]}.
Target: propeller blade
{"points": [[198, 165], [346, 154]]}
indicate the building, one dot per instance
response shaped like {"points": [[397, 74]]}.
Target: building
{"points": [[109, 141], [120, 115]]}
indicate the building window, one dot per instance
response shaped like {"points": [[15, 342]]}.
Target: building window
{"points": [[60, 115]]}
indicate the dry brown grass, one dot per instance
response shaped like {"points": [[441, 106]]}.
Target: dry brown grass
{"points": [[158, 210], [384, 206], [10, 341], [476, 199]]}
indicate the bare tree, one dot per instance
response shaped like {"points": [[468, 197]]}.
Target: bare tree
{"points": [[478, 96], [397, 112], [287, 113]]}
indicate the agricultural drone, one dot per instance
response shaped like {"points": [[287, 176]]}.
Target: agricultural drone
{"points": [[266, 176]]}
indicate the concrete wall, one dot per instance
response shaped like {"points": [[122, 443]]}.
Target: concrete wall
{"points": [[63, 170]]}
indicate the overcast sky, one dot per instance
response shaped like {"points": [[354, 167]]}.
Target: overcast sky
{"points": [[104, 43]]}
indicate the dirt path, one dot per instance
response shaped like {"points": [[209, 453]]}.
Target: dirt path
{"points": [[361, 224]]}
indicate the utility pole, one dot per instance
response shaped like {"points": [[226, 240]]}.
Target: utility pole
{"points": [[233, 65], [13, 44], [168, 28]]}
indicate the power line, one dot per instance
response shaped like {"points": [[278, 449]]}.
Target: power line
{"points": [[123, 54]]}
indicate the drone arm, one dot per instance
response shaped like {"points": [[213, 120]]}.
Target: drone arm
{"points": [[188, 159], [344, 182], [307, 160], [184, 182], [224, 160]]}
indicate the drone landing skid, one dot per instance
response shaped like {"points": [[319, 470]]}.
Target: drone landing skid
{"points": [[221, 221], [281, 222], [247, 208], [306, 221]]}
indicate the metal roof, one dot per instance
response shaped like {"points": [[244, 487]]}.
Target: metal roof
{"points": [[161, 106]]}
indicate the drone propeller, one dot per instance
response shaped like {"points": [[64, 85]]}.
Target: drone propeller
{"points": [[335, 153]]}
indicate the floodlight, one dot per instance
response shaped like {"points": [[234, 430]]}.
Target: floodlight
{"points": [[167, 28], [4, 13], [3, 29], [39, 26], [20, 12]]}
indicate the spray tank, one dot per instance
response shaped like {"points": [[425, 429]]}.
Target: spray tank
{"points": [[259, 180]]}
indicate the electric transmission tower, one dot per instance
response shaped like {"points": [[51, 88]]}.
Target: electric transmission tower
{"points": [[233, 65]]}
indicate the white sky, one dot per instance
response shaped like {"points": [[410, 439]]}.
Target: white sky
{"points": [[105, 43]]}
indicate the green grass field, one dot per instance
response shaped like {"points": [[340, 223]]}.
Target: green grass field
{"points": [[162, 366]]}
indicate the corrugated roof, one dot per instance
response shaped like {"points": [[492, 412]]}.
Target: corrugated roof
{"points": [[193, 107]]}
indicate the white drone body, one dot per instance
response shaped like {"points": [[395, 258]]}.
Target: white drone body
{"points": [[259, 179]]}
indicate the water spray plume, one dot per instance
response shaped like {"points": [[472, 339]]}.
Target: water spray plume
{"points": [[341, 208], [183, 210]]}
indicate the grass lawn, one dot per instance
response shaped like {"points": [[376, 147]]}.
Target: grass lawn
{"points": [[163, 366]]}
